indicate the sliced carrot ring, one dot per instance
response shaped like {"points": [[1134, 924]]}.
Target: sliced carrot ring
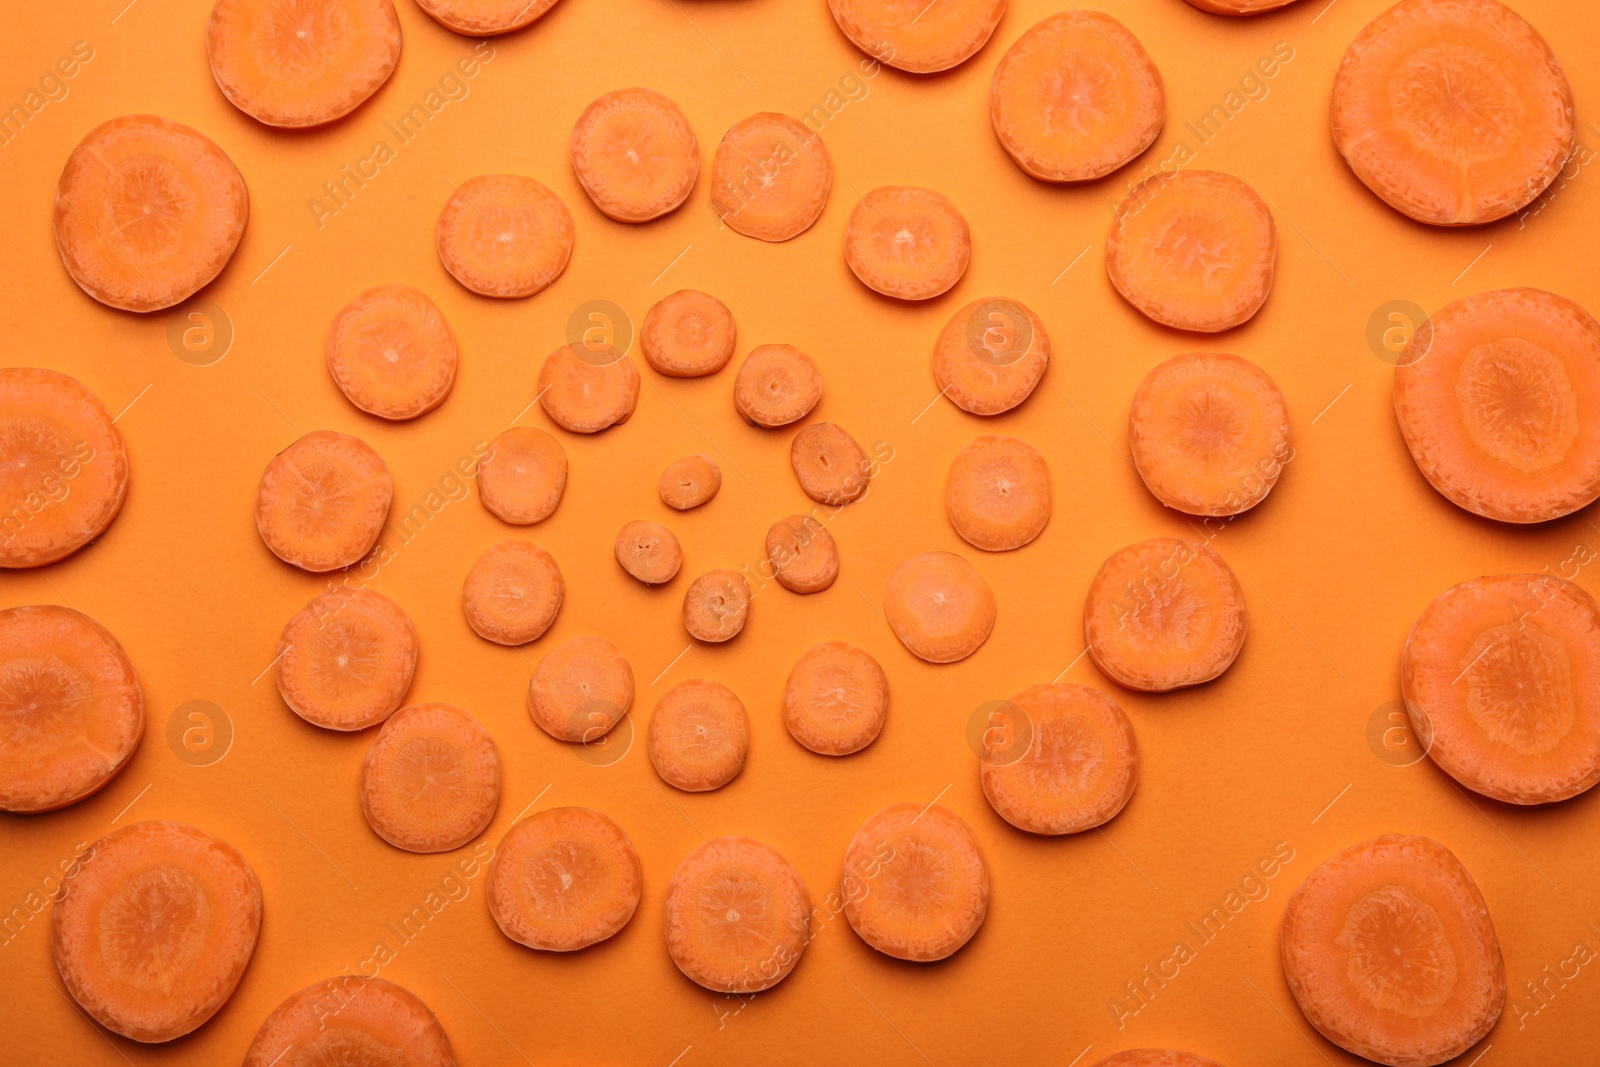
{"points": [[830, 466], [512, 593], [939, 607], [346, 660], [563, 879], [990, 356], [581, 689], [915, 36], [716, 605], [485, 18], [505, 235], [635, 154], [738, 916], [391, 353], [836, 699], [649, 551], [699, 736], [688, 335], [431, 780], [522, 476], [349, 1019], [803, 554], [586, 391], [907, 243], [1160, 1057], [776, 385], [770, 177], [323, 501], [998, 493], [147, 212], [689, 482], [914, 883]]}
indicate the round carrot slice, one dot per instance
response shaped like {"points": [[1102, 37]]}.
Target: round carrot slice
{"points": [[738, 916], [649, 552], [907, 243], [699, 736], [349, 1019], [147, 212], [635, 155], [1209, 433], [391, 353], [916, 36], [1454, 112], [1390, 952], [1076, 97], [563, 879], [1193, 250], [1495, 395], [431, 780], [830, 466], [716, 605], [914, 883], [586, 391], [504, 235], [512, 593], [345, 660], [158, 929], [63, 467], [939, 607], [803, 554], [689, 482], [522, 476], [990, 356], [776, 385], [836, 699], [998, 493], [581, 689], [770, 177], [1157, 1057], [485, 18], [323, 501], [688, 335]]}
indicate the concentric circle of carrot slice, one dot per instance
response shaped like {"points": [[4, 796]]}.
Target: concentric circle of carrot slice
{"points": [[990, 356], [147, 212], [915, 36], [563, 879], [504, 235], [830, 466], [803, 554], [699, 736], [581, 689], [349, 1019], [998, 493], [649, 551], [322, 501], [586, 391], [485, 18], [1498, 398], [776, 385], [431, 780], [906, 242], [1157, 1057], [1209, 433], [939, 607], [1454, 112], [522, 475], [346, 659], [689, 482], [716, 605], [738, 916], [391, 353], [1076, 97], [63, 467], [512, 593], [158, 929], [1194, 250], [770, 177], [914, 883], [1389, 950], [836, 699], [688, 335], [635, 154]]}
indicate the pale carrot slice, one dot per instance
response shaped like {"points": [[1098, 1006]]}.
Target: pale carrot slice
{"points": [[914, 883], [586, 391], [63, 467], [147, 212], [699, 736], [157, 930], [485, 18], [1389, 950], [916, 36], [770, 177], [776, 385], [522, 475], [738, 916], [346, 659], [71, 708], [581, 689], [716, 605], [689, 482], [649, 551], [803, 554], [1497, 396], [990, 356], [939, 607], [512, 593], [907, 243], [431, 780], [635, 154], [322, 501], [1157, 1057], [830, 466], [1076, 97], [1209, 433], [836, 699], [1454, 112], [688, 335], [563, 879], [504, 235], [391, 353], [998, 493], [349, 1020], [1193, 250], [1163, 614]]}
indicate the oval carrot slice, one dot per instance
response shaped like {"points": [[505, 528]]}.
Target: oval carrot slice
{"points": [[581, 689], [990, 356], [998, 493], [322, 501], [688, 335], [1157, 1057], [512, 593], [1389, 950], [915, 36], [738, 916], [803, 554], [1454, 113], [635, 154], [586, 391], [504, 235], [907, 243], [914, 883], [522, 476], [939, 607], [63, 467], [649, 551], [716, 605], [391, 353], [1494, 395], [349, 1019], [485, 18], [830, 466], [770, 177], [431, 780], [346, 659], [776, 385], [699, 736], [836, 699], [147, 212], [689, 482], [563, 879], [158, 929]]}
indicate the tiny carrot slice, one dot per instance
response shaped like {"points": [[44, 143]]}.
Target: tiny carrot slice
{"points": [[485, 18], [830, 466], [738, 916], [688, 334], [350, 1019], [522, 476], [914, 882], [907, 243], [836, 699], [649, 552], [431, 780], [391, 353], [699, 736], [563, 879], [586, 391], [998, 493], [581, 689], [939, 607], [322, 501], [635, 154], [716, 605], [1157, 1057], [689, 482], [776, 385], [990, 356], [504, 235], [915, 36], [512, 593], [346, 659], [770, 177], [803, 554]]}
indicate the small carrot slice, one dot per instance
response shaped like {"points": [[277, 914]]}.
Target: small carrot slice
{"points": [[391, 353], [563, 879], [157, 930], [635, 154], [346, 659], [1193, 250], [586, 391], [1209, 433], [504, 235], [581, 689], [699, 736], [716, 605], [939, 607], [803, 554], [148, 212], [738, 916], [914, 883], [998, 493], [522, 475], [63, 467], [1389, 950], [689, 482], [770, 177], [1494, 396], [1163, 614], [649, 551], [688, 335], [907, 243], [512, 593], [830, 466], [776, 385], [485, 18], [322, 501], [431, 780], [350, 1019], [990, 356], [836, 699], [1157, 1057], [915, 36]]}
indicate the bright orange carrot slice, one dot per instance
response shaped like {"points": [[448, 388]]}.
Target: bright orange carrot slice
{"points": [[1496, 396], [699, 736], [689, 482], [649, 551], [688, 335], [998, 493], [914, 883], [1158, 1057], [322, 501], [148, 212], [1454, 112], [770, 177], [431, 780], [504, 235], [916, 36], [563, 879], [522, 476], [635, 154], [581, 689], [830, 466], [512, 593], [586, 391], [391, 353], [157, 930], [485, 18], [990, 356], [716, 605], [939, 607], [836, 699], [63, 467], [345, 660], [907, 243], [351, 1020], [776, 385], [803, 554], [1390, 952], [738, 916]]}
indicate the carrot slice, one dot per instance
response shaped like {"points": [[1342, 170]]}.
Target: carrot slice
{"points": [[689, 482], [1076, 97], [770, 177], [1499, 416], [738, 916], [776, 385], [504, 235], [688, 335], [998, 493], [71, 708], [1209, 433], [512, 593], [1454, 112], [830, 466], [803, 554], [349, 1019], [915, 36], [990, 356], [1157, 1057], [431, 780], [716, 605], [522, 475], [906, 242], [391, 353], [1193, 250], [1389, 950], [322, 501], [346, 659], [581, 689], [586, 391], [635, 154], [699, 736], [158, 929], [939, 607], [836, 699], [563, 879], [148, 212], [926, 887], [485, 18], [63, 467], [649, 551]]}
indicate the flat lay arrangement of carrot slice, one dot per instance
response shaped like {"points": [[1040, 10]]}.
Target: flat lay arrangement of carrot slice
{"points": [[586, 391], [998, 493], [699, 736], [914, 36], [688, 335], [512, 593], [776, 385], [635, 154], [939, 606], [803, 554], [829, 465], [926, 884], [563, 879], [649, 552], [1156, 1057], [322, 501], [770, 177], [908, 243], [351, 1019], [485, 18], [738, 916], [346, 659], [836, 699], [581, 689], [391, 353], [431, 780], [990, 356], [689, 482], [716, 606], [504, 235], [522, 476]]}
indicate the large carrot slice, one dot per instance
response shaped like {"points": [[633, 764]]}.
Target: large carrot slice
{"points": [[512, 593], [485, 18], [158, 929], [563, 879], [939, 607], [522, 476], [917, 36], [431, 780], [688, 334], [906, 242], [351, 1020], [322, 501], [770, 177], [635, 154], [716, 606], [1390, 952], [830, 466], [391, 353], [346, 659], [914, 883], [803, 554], [1157, 1057], [581, 689], [998, 493], [738, 916], [504, 235], [776, 385], [836, 699], [147, 212], [689, 482], [586, 391], [699, 736], [649, 552], [990, 356]]}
